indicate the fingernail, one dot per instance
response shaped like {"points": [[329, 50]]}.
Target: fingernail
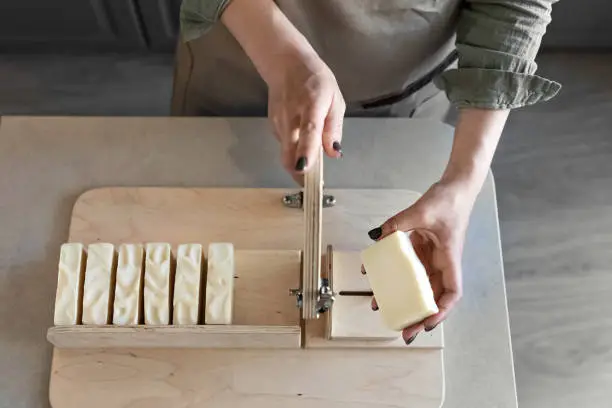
{"points": [[375, 308], [428, 329], [410, 340], [375, 233], [338, 147], [363, 271], [301, 163]]}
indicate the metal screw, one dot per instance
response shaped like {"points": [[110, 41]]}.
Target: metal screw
{"points": [[298, 295], [329, 201]]}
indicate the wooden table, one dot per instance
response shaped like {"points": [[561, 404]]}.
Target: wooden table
{"points": [[45, 163]]}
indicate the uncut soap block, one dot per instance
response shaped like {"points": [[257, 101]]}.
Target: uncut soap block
{"points": [[69, 292], [219, 284], [187, 283], [128, 288], [157, 297], [99, 284], [399, 281]]}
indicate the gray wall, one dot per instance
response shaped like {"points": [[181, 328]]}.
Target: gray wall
{"points": [[88, 25], [152, 25], [580, 24]]}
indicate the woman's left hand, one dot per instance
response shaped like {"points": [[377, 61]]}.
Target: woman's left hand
{"points": [[437, 222]]}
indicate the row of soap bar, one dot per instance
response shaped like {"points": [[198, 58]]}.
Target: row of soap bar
{"points": [[144, 284]]}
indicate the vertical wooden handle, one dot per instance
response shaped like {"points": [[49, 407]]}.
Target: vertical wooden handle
{"points": [[313, 204]]}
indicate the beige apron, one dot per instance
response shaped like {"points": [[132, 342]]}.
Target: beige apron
{"points": [[382, 52]]}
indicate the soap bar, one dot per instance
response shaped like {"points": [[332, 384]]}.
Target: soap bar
{"points": [[157, 297], [128, 288], [99, 284], [219, 284], [187, 284], [399, 281], [69, 292]]}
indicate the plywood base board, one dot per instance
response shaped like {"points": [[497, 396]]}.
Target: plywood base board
{"points": [[241, 378], [252, 219]]}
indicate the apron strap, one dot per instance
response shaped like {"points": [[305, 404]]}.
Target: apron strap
{"points": [[414, 86]]}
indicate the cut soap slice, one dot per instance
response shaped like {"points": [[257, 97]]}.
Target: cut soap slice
{"points": [[99, 284], [219, 284], [399, 281], [128, 292], [187, 284], [69, 293], [157, 299]]}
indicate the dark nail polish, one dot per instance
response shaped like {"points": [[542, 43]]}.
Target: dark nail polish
{"points": [[337, 147], [375, 308], [375, 233], [410, 340], [428, 329], [301, 163]]}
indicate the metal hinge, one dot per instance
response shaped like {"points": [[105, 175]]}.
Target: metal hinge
{"points": [[296, 200], [326, 297]]}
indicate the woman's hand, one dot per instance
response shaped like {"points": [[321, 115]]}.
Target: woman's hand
{"points": [[437, 223], [306, 110], [305, 105], [439, 219]]}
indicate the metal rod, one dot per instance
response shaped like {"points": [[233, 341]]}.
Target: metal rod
{"points": [[356, 293]]}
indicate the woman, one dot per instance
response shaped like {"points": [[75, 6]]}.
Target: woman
{"points": [[310, 62]]}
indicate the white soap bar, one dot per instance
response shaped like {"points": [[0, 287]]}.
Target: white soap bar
{"points": [[128, 288], [157, 299], [69, 292], [219, 284], [187, 284], [399, 281], [99, 283]]}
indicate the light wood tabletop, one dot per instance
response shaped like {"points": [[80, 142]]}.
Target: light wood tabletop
{"points": [[47, 162]]}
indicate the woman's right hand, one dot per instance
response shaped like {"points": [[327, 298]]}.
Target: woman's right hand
{"points": [[306, 109], [305, 104]]}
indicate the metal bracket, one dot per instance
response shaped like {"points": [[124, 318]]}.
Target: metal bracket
{"points": [[296, 200], [298, 297], [326, 297]]}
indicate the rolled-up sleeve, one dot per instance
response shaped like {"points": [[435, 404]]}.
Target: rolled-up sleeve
{"points": [[497, 42], [198, 16]]}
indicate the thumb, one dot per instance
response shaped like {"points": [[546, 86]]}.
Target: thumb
{"points": [[406, 220]]}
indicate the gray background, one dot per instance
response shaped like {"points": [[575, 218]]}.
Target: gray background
{"points": [[151, 25]]}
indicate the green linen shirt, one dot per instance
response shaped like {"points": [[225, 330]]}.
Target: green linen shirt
{"points": [[497, 42]]}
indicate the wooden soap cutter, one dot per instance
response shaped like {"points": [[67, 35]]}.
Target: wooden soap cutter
{"points": [[316, 295]]}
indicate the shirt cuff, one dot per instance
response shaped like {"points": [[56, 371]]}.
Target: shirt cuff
{"points": [[495, 80], [495, 89], [198, 16]]}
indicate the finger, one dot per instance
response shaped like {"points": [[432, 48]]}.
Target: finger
{"points": [[332, 128], [374, 304], [309, 142], [405, 220], [410, 332], [289, 138], [452, 288], [363, 271], [445, 304]]}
